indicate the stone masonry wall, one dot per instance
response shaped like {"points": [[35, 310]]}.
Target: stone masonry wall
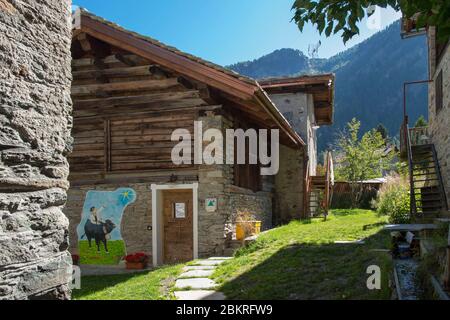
{"points": [[298, 109], [213, 180], [136, 219], [35, 123], [289, 183], [440, 122], [217, 182]]}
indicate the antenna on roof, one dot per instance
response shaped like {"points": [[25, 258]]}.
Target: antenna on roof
{"points": [[313, 50]]}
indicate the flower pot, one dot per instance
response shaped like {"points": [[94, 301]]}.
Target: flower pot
{"points": [[136, 265], [246, 229]]}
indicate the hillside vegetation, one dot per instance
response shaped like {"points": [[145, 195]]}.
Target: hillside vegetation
{"points": [[369, 79]]}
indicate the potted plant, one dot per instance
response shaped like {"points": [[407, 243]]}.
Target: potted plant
{"points": [[75, 259], [246, 226], [136, 261]]}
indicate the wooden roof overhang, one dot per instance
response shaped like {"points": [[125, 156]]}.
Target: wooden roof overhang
{"points": [[249, 95], [320, 86]]}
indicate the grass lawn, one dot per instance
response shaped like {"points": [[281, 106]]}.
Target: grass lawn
{"points": [[296, 261], [301, 261], [153, 285], [88, 255]]}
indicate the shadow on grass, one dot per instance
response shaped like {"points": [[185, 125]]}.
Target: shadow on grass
{"points": [[94, 284], [308, 271]]}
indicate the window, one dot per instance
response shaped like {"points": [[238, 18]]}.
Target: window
{"points": [[179, 210], [439, 92], [246, 175]]}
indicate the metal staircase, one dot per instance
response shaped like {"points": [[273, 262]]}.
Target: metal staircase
{"points": [[428, 198]]}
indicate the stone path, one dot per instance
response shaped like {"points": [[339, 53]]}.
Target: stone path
{"points": [[194, 283]]}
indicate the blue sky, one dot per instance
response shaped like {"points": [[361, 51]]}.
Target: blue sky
{"points": [[225, 31]]}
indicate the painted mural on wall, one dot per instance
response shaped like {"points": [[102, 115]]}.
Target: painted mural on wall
{"points": [[99, 234]]}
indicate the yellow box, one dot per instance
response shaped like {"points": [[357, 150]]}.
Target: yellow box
{"points": [[246, 229]]}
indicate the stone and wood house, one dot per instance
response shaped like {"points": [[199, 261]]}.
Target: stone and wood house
{"points": [[130, 92], [428, 149]]}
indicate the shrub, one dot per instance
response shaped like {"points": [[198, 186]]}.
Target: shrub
{"points": [[394, 200]]}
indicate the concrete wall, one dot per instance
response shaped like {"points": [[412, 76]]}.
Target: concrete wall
{"points": [[35, 122], [440, 122]]}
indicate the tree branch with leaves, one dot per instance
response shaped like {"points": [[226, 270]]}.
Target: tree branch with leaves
{"points": [[333, 16]]}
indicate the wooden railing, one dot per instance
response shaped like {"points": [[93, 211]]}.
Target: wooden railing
{"points": [[307, 191], [329, 181]]}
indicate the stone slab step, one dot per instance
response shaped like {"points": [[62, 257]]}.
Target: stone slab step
{"points": [[199, 295], [195, 283], [190, 268], [208, 262], [197, 274], [220, 258]]}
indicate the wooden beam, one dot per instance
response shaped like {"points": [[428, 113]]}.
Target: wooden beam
{"points": [[94, 89], [135, 100], [115, 72]]}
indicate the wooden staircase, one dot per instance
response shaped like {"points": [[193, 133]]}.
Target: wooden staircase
{"points": [[428, 198], [319, 190]]}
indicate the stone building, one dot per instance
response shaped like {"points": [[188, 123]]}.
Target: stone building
{"points": [[35, 122], [439, 102], [435, 188], [130, 93]]}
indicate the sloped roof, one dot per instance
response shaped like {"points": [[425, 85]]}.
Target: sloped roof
{"points": [[320, 86], [243, 88]]}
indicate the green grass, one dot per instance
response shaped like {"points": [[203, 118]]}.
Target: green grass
{"points": [[296, 261], [153, 285], [301, 261], [88, 255]]}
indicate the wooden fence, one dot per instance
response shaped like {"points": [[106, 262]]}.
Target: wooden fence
{"points": [[342, 198]]}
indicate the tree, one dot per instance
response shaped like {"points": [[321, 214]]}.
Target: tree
{"points": [[333, 16], [362, 159], [421, 122]]}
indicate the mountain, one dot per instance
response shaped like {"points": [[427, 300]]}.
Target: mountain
{"points": [[369, 79]]}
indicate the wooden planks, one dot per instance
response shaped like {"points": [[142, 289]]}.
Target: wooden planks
{"points": [[95, 89]]}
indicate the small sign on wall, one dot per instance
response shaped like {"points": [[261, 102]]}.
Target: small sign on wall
{"points": [[211, 204]]}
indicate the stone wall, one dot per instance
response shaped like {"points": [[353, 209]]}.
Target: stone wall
{"points": [[136, 219], [298, 109], [213, 180], [289, 186], [35, 122], [440, 121]]}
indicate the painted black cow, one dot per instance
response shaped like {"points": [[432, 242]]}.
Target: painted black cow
{"points": [[98, 232]]}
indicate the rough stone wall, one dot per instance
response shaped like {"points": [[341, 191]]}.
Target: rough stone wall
{"points": [[298, 109], [213, 180], [35, 123], [289, 184], [258, 204], [136, 219], [440, 122]]}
